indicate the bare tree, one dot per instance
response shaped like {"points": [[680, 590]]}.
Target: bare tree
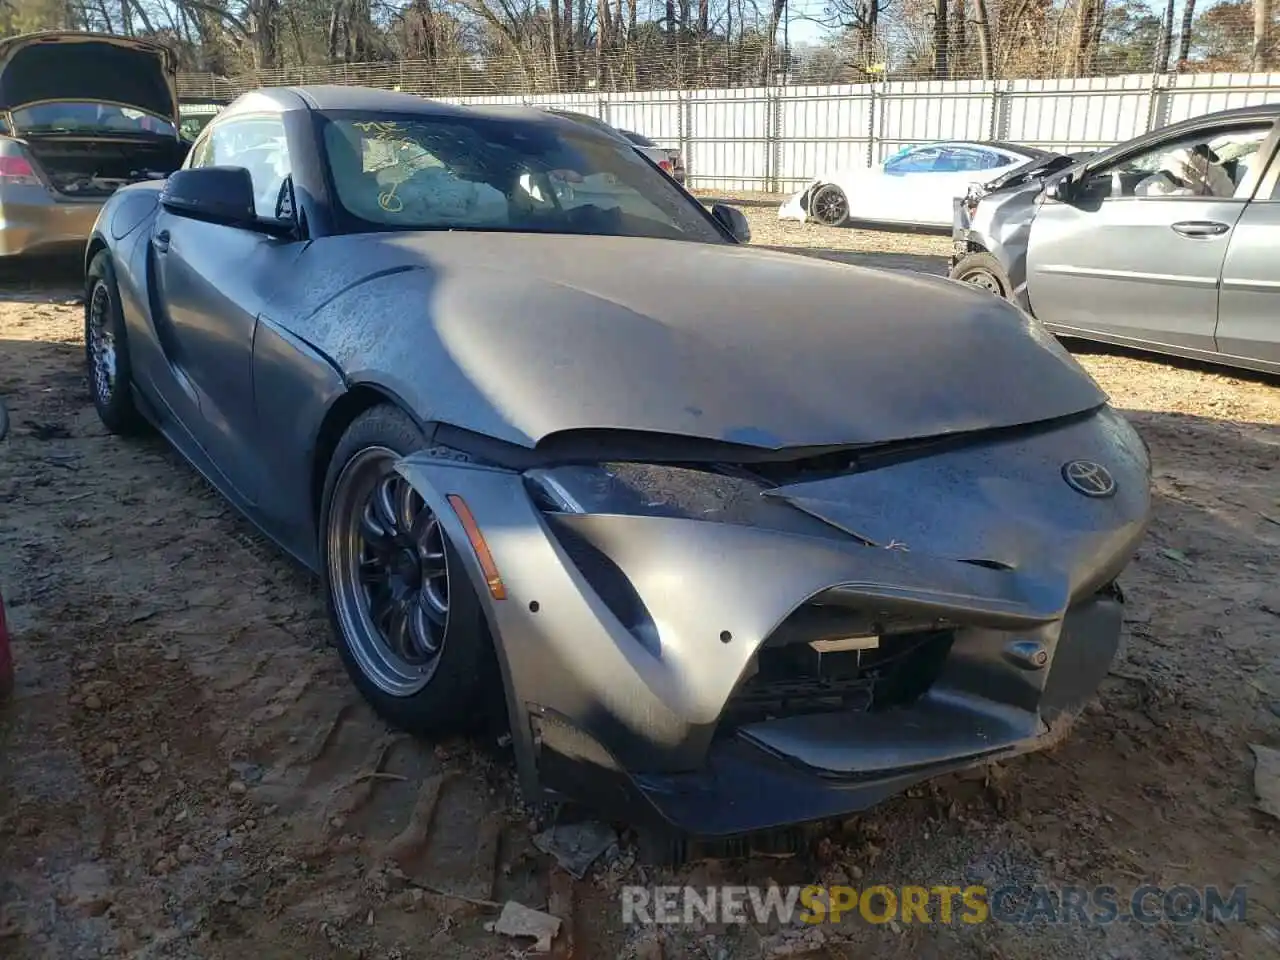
{"points": [[770, 36], [1184, 36], [983, 24], [1261, 35], [1165, 48], [862, 17], [1088, 33], [959, 38], [941, 40]]}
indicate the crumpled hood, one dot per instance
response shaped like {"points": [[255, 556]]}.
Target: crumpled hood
{"points": [[520, 336], [89, 67]]}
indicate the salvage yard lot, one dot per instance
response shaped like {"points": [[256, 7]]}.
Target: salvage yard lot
{"points": [[187, 773]]}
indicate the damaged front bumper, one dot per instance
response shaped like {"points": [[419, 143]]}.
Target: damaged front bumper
{"points": [[962, 209], [722, 678], [796, 207]]}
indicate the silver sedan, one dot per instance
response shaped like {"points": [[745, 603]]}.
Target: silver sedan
{"points": [[81, 115], [1166, 242]]}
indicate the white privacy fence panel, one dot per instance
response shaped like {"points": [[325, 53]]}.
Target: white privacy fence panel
{"points": [[777, 138], [1070, 115], [1190, 95], [822, 128], [918, 111], [729, 134]]}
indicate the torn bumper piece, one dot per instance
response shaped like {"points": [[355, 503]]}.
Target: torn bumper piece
{"points": [[796, 207], [673, 670]]}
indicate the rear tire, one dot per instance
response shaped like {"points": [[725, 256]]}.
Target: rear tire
{"points": [[409, 625], [106, 351], [984, 271], [829, 205]]}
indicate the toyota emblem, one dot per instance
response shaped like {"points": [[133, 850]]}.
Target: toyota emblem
{"points": [[1088, 478]]}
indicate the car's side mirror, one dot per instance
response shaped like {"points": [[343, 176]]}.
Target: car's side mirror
{"points": [[221, 195], [733, 220], [217, 194]]}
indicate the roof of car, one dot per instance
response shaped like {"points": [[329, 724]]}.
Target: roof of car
{"points": [[1256, 110], [1021, 149], [326, 97]]}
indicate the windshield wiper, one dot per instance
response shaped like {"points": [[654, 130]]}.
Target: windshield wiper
{"points": [[49, 128], [95, 131]]}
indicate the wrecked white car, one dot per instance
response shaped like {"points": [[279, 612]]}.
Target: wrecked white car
{"points": [[914, 187]]}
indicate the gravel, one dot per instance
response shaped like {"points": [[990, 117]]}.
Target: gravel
{"points": [[761, 211]]}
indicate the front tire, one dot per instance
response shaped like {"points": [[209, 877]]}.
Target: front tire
{"points": [[829, 205], [985, 271], [409, 625], [106, 351]]}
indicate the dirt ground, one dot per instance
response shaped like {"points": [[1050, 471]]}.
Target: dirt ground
{"points": [[186, 772]]}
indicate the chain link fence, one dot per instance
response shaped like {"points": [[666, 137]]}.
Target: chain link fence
{"points": [[913, 40], [742, 125]]}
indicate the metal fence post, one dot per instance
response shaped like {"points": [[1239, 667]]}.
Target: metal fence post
{"points": [[875, 123], [993, 128], [1153, 97], [775, 145], [768, 180], [682, 134], [688, 137], [1159, 97]]}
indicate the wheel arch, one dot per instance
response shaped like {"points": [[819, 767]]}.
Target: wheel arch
{"points": [[97, 243], [354, 401]]}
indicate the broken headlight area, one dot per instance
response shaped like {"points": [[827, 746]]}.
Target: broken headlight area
{"points": [[827, 655], [714, 493], [974, 193]]}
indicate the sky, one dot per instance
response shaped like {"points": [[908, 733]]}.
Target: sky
{"points": [[802, 29]]}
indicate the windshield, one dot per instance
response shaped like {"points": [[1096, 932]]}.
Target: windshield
{"points": [[414, 172], [88, 117]]}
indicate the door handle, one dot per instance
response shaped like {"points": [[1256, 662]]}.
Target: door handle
{"points": [[161, 241], [1200, 229]]}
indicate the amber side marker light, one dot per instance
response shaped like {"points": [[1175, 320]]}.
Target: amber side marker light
{"points": [[491, 576]]}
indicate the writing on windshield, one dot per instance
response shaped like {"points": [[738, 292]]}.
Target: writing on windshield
{"points": [[479, 173]]}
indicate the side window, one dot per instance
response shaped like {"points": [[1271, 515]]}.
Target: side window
{"points": [[965, 160], [200, 153], [259, 145], [1212, 163], [919, 160]]}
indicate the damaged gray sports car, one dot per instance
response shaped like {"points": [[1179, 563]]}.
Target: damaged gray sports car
{"points": [[735, 538]]}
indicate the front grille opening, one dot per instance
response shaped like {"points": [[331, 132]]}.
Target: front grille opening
{"points": [[792, 678]]}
